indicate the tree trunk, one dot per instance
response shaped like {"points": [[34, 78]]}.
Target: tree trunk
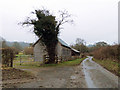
{"points": [[52, 53], [11, 62], [11, 59]]}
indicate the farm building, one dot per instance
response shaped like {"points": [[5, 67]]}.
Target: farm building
{"points": [[63, 51]]}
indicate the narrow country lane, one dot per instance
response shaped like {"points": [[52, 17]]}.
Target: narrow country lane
{"points": [[98, 77]]}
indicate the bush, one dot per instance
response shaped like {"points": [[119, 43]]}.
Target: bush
{"points": [[8, 55], [108, 52], [83, 55], [28, 50]]}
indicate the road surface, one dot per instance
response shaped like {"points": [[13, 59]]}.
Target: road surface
{"points": [[98, 77], [52, 77], [87, 75]]}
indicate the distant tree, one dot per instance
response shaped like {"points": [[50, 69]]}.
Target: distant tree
{"points": [[16, 51], [4, 45], [28, 50], [80, 45], [31, 44], [47, 27], [80, 41], [17, 46], [97, 46], [101, 44]]}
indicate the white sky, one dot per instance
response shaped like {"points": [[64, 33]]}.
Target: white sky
{"points": [[94, 20]]}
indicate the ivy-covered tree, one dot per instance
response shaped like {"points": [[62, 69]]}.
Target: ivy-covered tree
{"points": [[47, 28]]}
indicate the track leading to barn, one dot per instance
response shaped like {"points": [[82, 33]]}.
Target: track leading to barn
{"points": [[54, 77]]}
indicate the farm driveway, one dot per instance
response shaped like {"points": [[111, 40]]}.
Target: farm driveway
{"points": [[55, 77], [87, 75]]}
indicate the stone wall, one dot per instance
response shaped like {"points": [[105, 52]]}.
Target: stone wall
{"points": [[39, 51], [63, 53]]}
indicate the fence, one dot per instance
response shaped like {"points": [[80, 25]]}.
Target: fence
{"points": [[46, 58], [23, 59], [19, 59], [60, 58]]}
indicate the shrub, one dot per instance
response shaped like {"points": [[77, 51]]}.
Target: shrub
{"points": [[28, 50], [108, 52], [8, 55]]}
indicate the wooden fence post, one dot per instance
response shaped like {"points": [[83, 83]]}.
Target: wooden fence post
{"points": [[56, 59], [44, 59], [20, 59]]}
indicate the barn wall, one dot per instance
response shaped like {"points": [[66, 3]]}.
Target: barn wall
{"points": [[39, 52], [58, 50], [65, 53]]}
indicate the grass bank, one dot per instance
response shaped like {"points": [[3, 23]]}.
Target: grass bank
{"points": [[110, 65], [66, 63], [38, 64]]}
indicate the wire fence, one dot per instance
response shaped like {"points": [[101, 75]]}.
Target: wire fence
{"points": [[23, 59]]}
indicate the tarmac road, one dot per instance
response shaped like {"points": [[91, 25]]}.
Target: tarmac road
{"points": [[98, 77]]}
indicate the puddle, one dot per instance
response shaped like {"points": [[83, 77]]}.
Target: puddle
{"points": [[87, 76], [72, 77]]}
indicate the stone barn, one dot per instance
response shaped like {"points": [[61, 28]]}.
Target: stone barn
{"points": [[63, 51]]}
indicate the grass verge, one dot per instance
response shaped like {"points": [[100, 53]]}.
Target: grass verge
{"points": [[38, 64], [66, 63], [109, 65]]}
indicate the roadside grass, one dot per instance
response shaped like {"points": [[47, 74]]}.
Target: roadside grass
{"points": [[33, 64], [109, 65], [66, 63], [26, 64]]}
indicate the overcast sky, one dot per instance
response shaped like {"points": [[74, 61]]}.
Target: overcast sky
{"points": [[94, 20]]}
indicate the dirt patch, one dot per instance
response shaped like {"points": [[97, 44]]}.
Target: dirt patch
{"points": [[13, 76], [52, 77], [8, 74], [77, 80]]}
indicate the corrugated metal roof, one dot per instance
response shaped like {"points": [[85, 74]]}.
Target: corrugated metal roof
{"points": [[75, 50], [63, 43]]}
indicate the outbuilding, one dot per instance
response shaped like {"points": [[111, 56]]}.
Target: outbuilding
{"points": [[63, 51]]}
